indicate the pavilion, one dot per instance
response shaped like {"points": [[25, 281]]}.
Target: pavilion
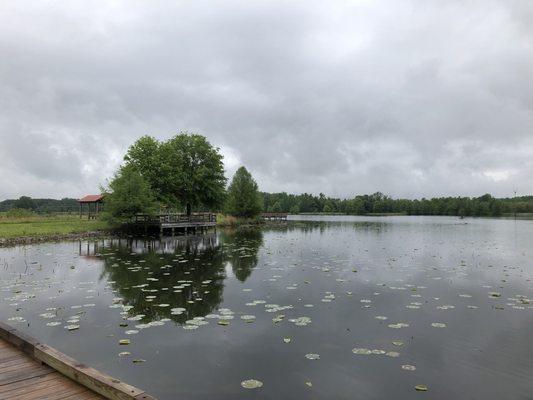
{"points": [[94, 202]]}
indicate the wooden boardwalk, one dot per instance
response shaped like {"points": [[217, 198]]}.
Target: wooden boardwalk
{"points": [[274, 216], [23, 378], [32, 370]]}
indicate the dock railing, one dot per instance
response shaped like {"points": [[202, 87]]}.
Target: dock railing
{"points": [[175, 218], [274, 216]]}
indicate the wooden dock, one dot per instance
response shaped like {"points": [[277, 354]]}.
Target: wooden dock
{"points": [[176, 221], [30, 370], [274, 216]]}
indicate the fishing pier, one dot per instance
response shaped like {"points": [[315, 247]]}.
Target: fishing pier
{"points": [[176, 222], [274, 216]]}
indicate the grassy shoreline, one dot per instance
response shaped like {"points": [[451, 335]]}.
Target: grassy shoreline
{"points": [[37, 226], [32, 228]]}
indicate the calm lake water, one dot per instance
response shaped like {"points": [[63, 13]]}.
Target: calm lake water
{"points": [[436, 301]]}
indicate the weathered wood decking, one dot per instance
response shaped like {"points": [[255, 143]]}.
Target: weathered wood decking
{"points": [[31, 370], [23, 378]]}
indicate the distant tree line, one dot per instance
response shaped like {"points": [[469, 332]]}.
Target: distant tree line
{"points": [[41, 206], [186, 173], [378, 203]]}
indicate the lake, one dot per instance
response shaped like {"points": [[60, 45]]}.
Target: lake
{"points": [[324, 307]]}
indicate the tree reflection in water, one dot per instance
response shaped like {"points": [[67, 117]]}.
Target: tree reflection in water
{"points": [[155, 276], [242, 246]]}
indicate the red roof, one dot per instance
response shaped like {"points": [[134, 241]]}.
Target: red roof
{"points": [[91, 198]]}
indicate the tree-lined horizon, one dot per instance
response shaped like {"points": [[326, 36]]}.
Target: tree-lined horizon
{"points": [[358, 205], [186, 173]]}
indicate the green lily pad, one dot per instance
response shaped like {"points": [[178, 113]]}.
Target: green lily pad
{"points": [[251, 384]]}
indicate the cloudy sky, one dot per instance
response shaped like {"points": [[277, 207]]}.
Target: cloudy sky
{"points": [[411, 98]]}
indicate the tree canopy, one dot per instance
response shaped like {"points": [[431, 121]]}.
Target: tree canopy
{"points": [[243, 198], [185, 170], [379, 203], [129, 194], [25, 202]]}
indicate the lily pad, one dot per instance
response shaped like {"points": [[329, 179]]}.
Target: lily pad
{"points": [[251, 384], [421, 388]]}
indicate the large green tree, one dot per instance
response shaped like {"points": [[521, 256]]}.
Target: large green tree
{"points": [[129, 194], [185, 170], [243, 199]]}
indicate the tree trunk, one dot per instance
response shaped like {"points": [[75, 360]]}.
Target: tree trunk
{"points": [[188, 209]]}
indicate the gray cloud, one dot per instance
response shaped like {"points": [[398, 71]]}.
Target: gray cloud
{"points": [[414, 98]]}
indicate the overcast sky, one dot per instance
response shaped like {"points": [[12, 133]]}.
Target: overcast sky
{"points": [[411, 98]]}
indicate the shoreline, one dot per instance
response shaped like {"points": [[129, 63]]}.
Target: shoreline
{"points": [[27, 240], [103, 234]]}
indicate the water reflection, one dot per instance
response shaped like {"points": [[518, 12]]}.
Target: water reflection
{"points": [[356, 279], [242, 247], [153, 277]]}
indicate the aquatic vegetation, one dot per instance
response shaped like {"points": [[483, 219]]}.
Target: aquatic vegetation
{"points": [[251, 384], [300, 321], [398, 325], [294, 292]]}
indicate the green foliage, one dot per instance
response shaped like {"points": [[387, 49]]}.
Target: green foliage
{"points": [[44, 206], [185, 170], [378, 203], [19, 213], [130, 194], [25, 202], [243, 198]]}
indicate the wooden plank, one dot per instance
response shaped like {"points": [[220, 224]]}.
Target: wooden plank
{"points": [[16, 376], [53, 393], [20, 340], [56, 384], [100, 383], [17, 366], [30, 382]]}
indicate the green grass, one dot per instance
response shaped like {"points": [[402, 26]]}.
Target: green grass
{"points": [[35, 225]]}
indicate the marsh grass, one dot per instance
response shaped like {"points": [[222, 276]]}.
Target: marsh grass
{"points": [[231, 221]]}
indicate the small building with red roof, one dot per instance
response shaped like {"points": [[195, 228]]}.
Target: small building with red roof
{"points": [[91, 205]]}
